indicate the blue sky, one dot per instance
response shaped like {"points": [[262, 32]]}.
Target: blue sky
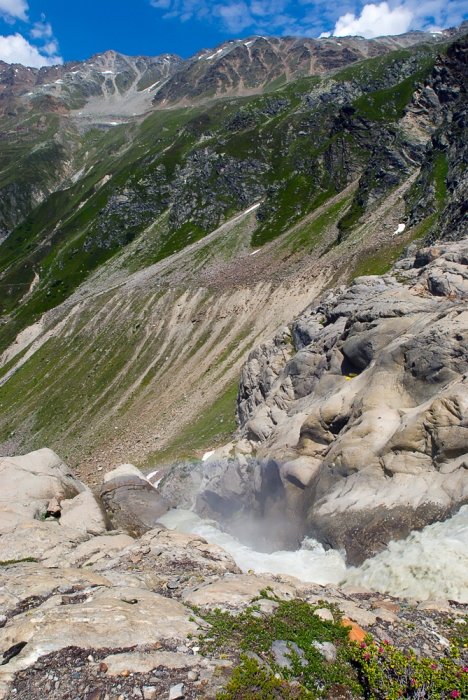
{"points": [[43, 32]]}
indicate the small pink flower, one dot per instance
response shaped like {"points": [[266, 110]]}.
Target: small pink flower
{"points": [[455, 694], [413, 682], [409, 656], [367, 657], [465, 669], [458, 674], [380, 650], [363, 646], [386, 641], [433, 666]]}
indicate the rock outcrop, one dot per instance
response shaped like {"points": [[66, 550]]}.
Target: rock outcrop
{"points": [[361, 436], [31, 482], [67, 584]]}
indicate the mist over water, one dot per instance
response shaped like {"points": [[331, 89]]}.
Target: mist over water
{"points": [[310, 563], [432, 563]]}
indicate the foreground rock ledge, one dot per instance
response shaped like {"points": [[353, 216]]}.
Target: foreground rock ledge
{"points": [[111, 614]]}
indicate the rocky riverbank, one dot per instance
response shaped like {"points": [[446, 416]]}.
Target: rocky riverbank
{"points": [[352, 419], [89, 612]]}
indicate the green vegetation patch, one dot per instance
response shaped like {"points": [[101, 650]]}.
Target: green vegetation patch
{"points": [[388, 105], [214, 427], [251, 682], [9, 562], [293, 622], [389, 674], [380, 261], [370, 670]]}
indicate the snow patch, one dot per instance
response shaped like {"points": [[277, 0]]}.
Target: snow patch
{"points": [[208, 58], [207, 455], [151, 86], [400, 229], [255, 206]]}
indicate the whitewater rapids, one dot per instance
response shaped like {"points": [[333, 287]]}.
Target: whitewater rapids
{"points": [[310, 563], [432, 563]]}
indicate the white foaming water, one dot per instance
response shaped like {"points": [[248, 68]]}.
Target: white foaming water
{"points": [[432, 563], [310, 563]]}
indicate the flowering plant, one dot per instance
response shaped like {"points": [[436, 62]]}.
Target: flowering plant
{"points": [[388, 673]]}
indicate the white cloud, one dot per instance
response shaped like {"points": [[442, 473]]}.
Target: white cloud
{"points": [[14, 9], [16, 49], [42, 29], [317, 17], [50, 48], [429, 14], [236, 17], [375, 20]]}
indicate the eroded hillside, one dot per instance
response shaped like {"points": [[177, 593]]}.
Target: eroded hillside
{"points": [[168, 246]]}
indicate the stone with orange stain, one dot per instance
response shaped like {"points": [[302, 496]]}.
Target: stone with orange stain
{"points": [[356, 633]]}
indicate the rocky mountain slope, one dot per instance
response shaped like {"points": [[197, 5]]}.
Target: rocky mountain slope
{"points": [[87, 166], [290, 212], [211, 225]]}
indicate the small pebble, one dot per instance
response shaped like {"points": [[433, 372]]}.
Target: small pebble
{"points": [[149, 693], [176, 692]]}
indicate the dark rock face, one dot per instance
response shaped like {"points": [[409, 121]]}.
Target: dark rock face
{"points": [[442, 187], [361, 436]]}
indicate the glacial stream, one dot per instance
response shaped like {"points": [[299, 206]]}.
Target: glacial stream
{"points": [[310, 563], [432, 563]]}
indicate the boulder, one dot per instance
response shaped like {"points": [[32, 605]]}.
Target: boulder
{"points": [[282, 652], [237, 591], [26, 581], [38, 540], [106, 620], [84, 512], [327, 650], [136, 662], [131, 500], [30, 482], [325, 614]]}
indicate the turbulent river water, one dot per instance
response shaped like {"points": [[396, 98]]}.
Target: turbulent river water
{"points": [[428, 564]]}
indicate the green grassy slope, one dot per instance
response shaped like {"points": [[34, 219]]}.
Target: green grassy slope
{"points": [[292, 149]]}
